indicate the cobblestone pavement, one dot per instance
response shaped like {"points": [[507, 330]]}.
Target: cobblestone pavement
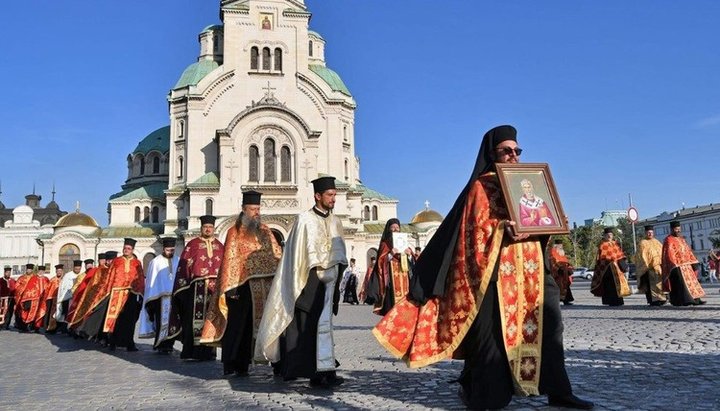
{"points": [[627, 358]]}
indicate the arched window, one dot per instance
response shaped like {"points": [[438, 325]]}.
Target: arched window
{"points": [[146, 215], [208, 206], [148, 257], [345, 133], [266, 59], [285, 173], [156, 214], [269, 159], [366, 213], [346, 170], [254, 164], [137, 214], [180, 165], [374, 213], [156, 165], [310, 48], [141, 159], [181, 129], [278, 59], [254, 58], [215, 43]]}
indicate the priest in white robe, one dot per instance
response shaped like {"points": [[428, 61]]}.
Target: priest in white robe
{"points": [[65, 293], [296, 330], [159, 280]]}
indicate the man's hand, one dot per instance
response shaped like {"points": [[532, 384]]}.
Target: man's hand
{"points": [[509, 225]]}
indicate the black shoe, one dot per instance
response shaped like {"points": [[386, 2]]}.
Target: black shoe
{"points": [[111, 347], [567, 303], [314, 382], [132, 348], [569, 401], [241, 374], [700, 302], [657, 303], [334, 380]]}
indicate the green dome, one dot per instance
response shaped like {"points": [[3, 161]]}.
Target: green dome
{"points": [[158, 140], [196, 72], [212, 27], [331, 78]]}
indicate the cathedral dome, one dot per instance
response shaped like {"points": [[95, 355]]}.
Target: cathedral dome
{"points": [[427, 216], [196, 72], [158, 140], [76, 219]]}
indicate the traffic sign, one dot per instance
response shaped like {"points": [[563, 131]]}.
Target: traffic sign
{"points": [[632, 214]]}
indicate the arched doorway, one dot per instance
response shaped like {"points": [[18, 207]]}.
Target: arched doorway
{"points": [[279, 237], [146, 260], [68, 253]]}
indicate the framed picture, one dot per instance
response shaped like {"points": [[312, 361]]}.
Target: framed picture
{"points": [[531, 198]]}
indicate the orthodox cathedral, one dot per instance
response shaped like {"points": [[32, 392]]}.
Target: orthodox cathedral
{"points": [[259, 110]]}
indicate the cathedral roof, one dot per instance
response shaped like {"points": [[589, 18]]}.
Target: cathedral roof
{"points": [[212, 27], [76, 219], [210, 179], [427, 216], [158, 140], [370, 194], [315, 34], [331, 78], [196, 72], [154, 191]]}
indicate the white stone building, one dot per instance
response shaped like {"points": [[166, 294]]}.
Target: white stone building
{"points": [[259, 110]]}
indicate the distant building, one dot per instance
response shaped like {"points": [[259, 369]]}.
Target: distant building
{"points": [[21, 226], [608, 218], [698, 225]]}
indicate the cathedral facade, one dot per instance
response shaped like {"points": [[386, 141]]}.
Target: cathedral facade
{"points": [[259, 110]]}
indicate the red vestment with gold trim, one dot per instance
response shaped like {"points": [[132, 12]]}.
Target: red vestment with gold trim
{"points": [[422, 335], [676, 253]]}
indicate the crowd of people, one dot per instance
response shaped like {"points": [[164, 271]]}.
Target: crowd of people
{"points": [[262, 303]]}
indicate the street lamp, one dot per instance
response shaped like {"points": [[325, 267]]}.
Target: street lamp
{"points": [[42, 246]]}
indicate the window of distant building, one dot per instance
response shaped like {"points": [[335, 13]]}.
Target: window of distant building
{"points": [[374, 213], [208, 206], [137, 214], [310, 48], [266, 59], [285, 160], [156, 214], [146, 215], [156, 165], [269, 160]]}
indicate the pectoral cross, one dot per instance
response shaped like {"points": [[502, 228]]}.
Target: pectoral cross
{"points": [[231, 164]]}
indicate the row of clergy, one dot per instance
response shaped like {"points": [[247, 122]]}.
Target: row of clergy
{"points": [[664, 270], [249, 296]]}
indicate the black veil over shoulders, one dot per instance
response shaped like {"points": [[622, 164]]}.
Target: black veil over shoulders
{"points": [[431, 270]]}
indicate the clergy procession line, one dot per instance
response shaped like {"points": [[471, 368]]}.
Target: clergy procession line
{"points": [[478, 292]]}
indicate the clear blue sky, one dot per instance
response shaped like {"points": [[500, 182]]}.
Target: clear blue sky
{"points": [[619, 97]]}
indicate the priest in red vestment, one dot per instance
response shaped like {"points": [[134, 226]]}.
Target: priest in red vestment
{"points": [[29, 304], [390, 278], [50, 299], [561, 270], [249, 262], [194, 285], [127, 285], [7, 298], [481, 293], [678, 269], [87, 311], [609, 280]]}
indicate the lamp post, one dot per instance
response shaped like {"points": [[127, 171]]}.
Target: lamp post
{"points": [[42, 252]]}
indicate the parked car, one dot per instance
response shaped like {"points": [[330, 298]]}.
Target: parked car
{"points": [[582, 272]]}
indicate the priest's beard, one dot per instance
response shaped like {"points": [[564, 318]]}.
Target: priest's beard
{"points": [[251, 224]]}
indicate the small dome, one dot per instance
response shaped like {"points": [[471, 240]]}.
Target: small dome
{"points": [[52, 205], [76, 219], [158, 140], [427, 216], [23, 209]]}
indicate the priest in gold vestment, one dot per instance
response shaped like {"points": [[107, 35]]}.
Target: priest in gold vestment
{"points": [[481, 293], [235, 310], [648, 261]]}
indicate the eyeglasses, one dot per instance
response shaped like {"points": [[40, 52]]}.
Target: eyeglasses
{"points": [[509, 150]]}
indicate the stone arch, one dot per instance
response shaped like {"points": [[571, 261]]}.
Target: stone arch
{"points": [[68, 252]]}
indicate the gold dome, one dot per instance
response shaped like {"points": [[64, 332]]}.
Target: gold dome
{"points": [[76, 219], [427, 216]]}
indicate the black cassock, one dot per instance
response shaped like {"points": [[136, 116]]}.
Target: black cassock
{"points": [[679, 293], [237, 340], [124, 333], [155, 312], [184, 301], [298, 344], [350, 295]]}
